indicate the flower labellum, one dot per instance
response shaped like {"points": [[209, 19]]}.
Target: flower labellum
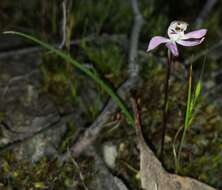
{"points": [[176, 35]]}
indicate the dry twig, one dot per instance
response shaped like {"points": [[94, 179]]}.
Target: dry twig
{"points": [[93, 130], [64, 24]]}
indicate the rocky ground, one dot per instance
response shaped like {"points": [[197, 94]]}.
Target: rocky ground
{"points": [[46, 105]]}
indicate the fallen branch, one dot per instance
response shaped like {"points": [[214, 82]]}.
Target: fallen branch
{"points": [[133, 68], [93, 130]]}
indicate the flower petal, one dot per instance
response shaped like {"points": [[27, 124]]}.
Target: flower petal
{"points": [[156, 41], [173, 48], [197, 34], [190, 43]]}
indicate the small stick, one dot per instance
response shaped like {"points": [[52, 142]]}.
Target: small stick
{"points": [[79, 171], [136, 113], [138, 127]]}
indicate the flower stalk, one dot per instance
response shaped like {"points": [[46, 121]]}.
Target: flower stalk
{"points": [[165, 105], [176, 35]]}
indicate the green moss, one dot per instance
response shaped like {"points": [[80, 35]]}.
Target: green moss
{"points": [[107, 58], [45, 173], [68, 137], [2, 116], [57, 80]]}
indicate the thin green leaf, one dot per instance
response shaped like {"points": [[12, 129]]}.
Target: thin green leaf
{"points": [[81, 67]]}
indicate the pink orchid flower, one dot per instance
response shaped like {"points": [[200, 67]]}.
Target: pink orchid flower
{"points": [[176, 35]]}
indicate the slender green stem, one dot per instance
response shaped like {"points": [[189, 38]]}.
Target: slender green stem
{"points": [[165, 106], [69, 59], [187, 118]]}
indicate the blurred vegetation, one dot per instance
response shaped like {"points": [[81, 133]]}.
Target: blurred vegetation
{"points": [[108, 24]]}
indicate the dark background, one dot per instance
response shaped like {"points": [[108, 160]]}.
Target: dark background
{"points": [[45, 103]]}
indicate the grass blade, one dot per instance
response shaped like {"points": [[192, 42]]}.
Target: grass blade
{"points": [[81, 67]]}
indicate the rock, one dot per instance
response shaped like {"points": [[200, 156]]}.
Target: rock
{"points": [[26, 111], [110, 154], [104, 180]]}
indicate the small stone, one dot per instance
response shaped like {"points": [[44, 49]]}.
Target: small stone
{"points": [[110, 154]]}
